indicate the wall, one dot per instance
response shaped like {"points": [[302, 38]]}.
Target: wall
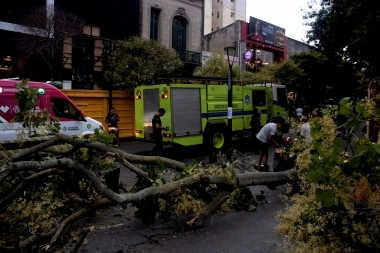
{"points": [[295, 46], [94, 104], [227, 36], [229, 12], [189, 9], [207, 19], [240, 9]]}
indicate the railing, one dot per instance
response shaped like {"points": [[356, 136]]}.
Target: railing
{"points": [[189, 57]]}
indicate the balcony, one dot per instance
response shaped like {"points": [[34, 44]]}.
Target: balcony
{"points": [[189, 57]]}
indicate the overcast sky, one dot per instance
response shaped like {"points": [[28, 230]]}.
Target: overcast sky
{"points": [[286, 14]]}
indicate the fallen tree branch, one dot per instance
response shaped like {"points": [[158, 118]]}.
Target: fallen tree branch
{"points": [[79, 238], [35, 149], [102, 203], [23, 185], [31, 240], [265, 178], [8, 249], [176, 165], [128, 165], [75, 199], [198, 220]]}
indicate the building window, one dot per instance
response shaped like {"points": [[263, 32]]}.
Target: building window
{"points": [[154, 16], [91, 30], [179, 28], [217, 28], [259, 98], [217, 14]]}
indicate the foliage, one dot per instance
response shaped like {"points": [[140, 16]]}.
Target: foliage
{"points": [[217, 66], [286, 72], [136, 59], [322, 77], [191, 199], [37, 121], [242, 199], [43, 38], [347, 28], [338, 207]]}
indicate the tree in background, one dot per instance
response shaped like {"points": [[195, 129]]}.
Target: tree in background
{"points": [[136, 59], [45, 29], [286, 72], [326, 77], [348, 29], [217, 66]]}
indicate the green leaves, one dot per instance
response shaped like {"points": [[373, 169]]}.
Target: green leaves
{"points": [[326, 197], [135, 59], [39, 122], [215, 66], [345, 106], [354, 161]]}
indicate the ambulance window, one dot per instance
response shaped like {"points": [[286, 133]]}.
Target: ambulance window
{"points": [[63, 108], [282, 97], [258, 98]]}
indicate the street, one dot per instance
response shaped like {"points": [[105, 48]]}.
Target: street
{"points": [[117, 230]]}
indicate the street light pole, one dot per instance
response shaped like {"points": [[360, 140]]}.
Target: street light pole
{"points": [[231, 51]]}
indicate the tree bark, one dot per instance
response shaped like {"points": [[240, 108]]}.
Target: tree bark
{"points": [[198, 220]]}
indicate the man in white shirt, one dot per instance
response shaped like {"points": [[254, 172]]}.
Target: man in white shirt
{"points": [[264, 137], [299, 112], [305, 130]]}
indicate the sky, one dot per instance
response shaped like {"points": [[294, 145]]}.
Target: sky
{"points": [[286, 14]]}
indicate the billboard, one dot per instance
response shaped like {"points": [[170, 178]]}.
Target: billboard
{"points": [[265, 32]]}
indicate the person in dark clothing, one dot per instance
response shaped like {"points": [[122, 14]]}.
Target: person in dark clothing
{"points": [[255, 128], [157, 129], [111, 120]]}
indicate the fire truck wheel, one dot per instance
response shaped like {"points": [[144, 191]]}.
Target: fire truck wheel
{"points": [[217, 139]]}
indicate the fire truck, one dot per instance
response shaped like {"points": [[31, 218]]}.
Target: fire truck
{"points": [[196, 112]]}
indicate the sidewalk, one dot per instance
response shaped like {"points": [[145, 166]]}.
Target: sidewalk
{"points": [[117, 230]]}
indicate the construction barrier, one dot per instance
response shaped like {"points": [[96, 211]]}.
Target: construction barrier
{"points": [[94, 104]]}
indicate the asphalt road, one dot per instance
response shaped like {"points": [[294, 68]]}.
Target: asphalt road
{"points": [[117, 230]]}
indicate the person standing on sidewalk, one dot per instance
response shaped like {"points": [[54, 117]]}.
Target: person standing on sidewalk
{"points": [[157, 135], [266, 136], [111, 120]]}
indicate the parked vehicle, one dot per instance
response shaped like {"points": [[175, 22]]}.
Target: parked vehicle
{"points": [[72, 121], [197, 113]]}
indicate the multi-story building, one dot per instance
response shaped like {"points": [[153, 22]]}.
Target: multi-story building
{"points": [[221, 13], [257, 43], [177, 24]]}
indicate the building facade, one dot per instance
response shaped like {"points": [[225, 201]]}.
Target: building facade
{"points": [[219, 13], [176, 24], [257, 43]]}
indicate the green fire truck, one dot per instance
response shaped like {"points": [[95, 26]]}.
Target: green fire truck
{"points": [[196, 113]]}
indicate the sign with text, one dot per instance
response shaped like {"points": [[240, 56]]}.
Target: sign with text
{"points": [[265, 32]]}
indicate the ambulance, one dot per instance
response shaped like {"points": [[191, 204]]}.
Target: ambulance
{"points": [[72, 121], [196, 113]]}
